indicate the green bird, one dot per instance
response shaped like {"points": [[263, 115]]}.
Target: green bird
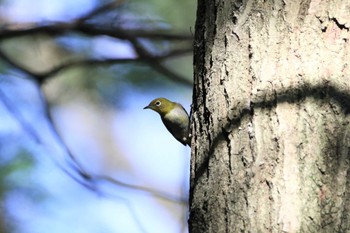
{"points": [[174, 117]]}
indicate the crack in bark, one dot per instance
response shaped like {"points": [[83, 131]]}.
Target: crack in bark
{"points": [[339, 25], [324, 27]]}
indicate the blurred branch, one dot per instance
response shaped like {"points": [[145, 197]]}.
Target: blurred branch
{"points": [[99, 10], [153, 61], [11, 107], [156, 193], [156, 64], [81, 25], [54, 29]]}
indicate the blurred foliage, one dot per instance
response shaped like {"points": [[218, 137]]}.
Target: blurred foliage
{"points": [[15, 176], [179, 14]]}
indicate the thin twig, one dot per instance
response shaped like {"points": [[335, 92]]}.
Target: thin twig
{"points": [[99, 10], [11, 107], [76, 165], [162, 195], [156, 64]]}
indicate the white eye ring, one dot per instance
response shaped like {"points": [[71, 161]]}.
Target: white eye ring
{"points": [[158, 103]]}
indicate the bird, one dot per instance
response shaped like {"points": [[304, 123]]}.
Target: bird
{"points": [[174, 117]]}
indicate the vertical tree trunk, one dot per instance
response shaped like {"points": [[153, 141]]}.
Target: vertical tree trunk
{"points": [[271, 117]]}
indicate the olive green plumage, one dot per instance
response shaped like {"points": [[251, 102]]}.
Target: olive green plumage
{"points": [[174, 117]]}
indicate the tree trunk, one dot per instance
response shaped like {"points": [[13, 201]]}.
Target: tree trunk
{"points": [[271, 105]]}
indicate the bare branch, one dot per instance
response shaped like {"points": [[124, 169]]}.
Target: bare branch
{"points": [[169, 73], [81, 26], [99, 10], [55, 29], [165, 196], [86, 62], [153, 61]]}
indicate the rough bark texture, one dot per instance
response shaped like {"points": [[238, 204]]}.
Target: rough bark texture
{"points": [[271, 106]]}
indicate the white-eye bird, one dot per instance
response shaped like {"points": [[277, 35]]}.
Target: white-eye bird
{"points": [[174, 117]]}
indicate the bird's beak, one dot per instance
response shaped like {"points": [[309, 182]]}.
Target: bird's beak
{"points": [[146, 107]]}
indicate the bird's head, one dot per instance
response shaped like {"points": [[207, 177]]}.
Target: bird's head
{"points": [[161, 105]]}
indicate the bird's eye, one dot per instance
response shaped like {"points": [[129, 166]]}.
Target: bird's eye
{"points": [[158, 103]]}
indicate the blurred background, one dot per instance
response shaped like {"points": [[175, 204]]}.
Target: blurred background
{"points": [[78, 152]]}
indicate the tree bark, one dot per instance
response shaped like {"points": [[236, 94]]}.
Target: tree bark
{"points": [[270, 117]]}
